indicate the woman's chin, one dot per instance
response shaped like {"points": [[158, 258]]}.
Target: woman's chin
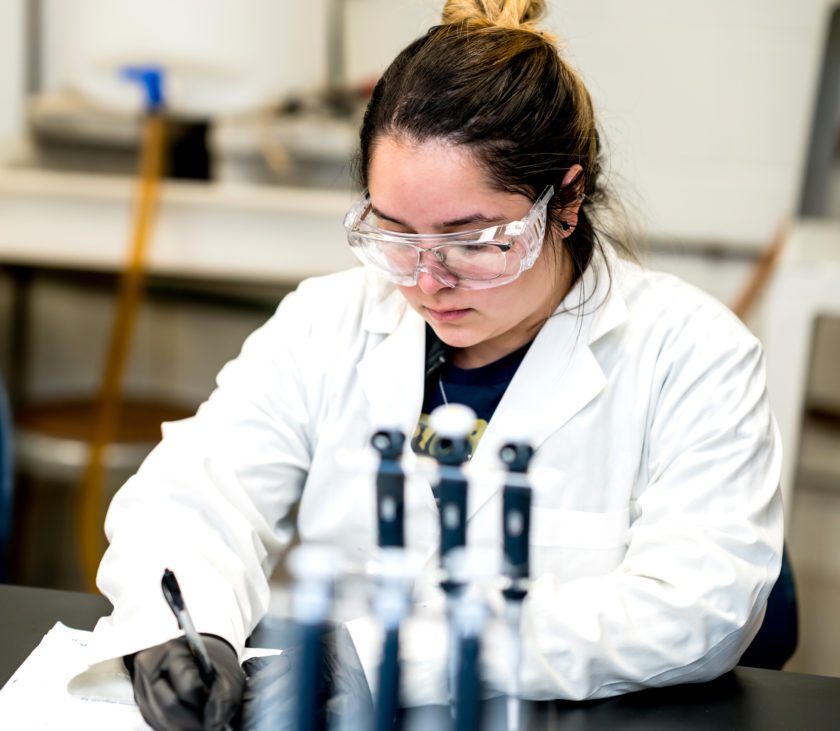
{"points": [[454, 337]]}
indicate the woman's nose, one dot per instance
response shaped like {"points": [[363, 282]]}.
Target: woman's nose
{"points": [[433, 275], [429, 284]]}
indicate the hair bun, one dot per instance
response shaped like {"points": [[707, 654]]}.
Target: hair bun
{"points": [[513, 14]]}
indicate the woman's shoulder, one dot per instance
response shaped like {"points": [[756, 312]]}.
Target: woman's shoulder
{"points": [[344, 301], [664, 304], [347, 284]]}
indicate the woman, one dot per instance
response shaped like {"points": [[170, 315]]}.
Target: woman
{"points": [[654, 553]]}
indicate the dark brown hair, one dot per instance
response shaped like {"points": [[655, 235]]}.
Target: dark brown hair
{"points": [[489, 80]]}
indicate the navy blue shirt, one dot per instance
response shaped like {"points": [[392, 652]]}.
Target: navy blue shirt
{"points": [[479, 388]]}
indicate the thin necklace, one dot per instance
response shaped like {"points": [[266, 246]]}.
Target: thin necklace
{"points": [[442, 392]]}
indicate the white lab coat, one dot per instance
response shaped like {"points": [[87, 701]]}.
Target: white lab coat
{"points": [[653, 550]]}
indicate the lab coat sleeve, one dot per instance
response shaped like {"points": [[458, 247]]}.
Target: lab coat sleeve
{"points": [[212, 500], [703, 547]]}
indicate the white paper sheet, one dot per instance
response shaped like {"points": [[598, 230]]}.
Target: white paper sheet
{"points": [[37, 695], [54, 689]]}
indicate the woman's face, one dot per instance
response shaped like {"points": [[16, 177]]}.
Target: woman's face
{"points": [[436, 187]]}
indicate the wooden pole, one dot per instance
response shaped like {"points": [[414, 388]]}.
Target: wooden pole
{"points": [[130, 295]]}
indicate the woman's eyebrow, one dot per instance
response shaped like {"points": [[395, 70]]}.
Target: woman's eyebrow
{"points": [[384, 216], [472, 218]]}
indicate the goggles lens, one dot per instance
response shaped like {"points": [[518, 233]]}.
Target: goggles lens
{"points": [[469, 260]]}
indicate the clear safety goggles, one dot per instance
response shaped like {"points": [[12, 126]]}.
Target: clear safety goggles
{"points": [[476, 259]]}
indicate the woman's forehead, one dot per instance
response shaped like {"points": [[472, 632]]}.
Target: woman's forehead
{"points": [[401, 158], [437, 183]]}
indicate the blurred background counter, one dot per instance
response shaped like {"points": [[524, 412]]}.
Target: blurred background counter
{"points": [[204, 230]]}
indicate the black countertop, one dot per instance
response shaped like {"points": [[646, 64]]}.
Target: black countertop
{"points": [[747, 699]]}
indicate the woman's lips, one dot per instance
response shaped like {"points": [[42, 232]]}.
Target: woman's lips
{"points": [[446, 315]]}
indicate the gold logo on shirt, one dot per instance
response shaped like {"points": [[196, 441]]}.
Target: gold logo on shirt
{"points": [[425, 441]]}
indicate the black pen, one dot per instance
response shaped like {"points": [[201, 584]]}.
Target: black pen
{"points": [[175, 600]]}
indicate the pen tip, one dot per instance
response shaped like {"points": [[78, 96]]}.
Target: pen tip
{"points": [[171, 590]]}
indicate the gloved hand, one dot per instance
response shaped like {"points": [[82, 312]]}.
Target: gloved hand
{"points": [[171, 694], [271, 693]]}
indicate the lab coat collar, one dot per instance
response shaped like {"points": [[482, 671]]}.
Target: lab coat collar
{"points": [[596, 297], [384, 306], [391, 373], [560, 374]]}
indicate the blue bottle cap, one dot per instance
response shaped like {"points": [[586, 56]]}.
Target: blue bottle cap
{"points": [[151, 80]]}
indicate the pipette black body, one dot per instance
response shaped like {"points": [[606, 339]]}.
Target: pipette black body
{"points": [[390, 513], [312, 688], [388, 692], [468, 695], [516, 529], [314, 570], [390, 488], [516, 518], [451, 454]]}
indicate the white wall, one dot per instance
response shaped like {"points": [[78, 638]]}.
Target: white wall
{"points": [[379, 29], [376, 31], [12, 75], [707, 105]]}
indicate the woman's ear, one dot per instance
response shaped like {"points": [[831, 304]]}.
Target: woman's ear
{"points": [[569, 214]]}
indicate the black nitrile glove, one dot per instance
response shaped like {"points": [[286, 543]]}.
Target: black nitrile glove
{"points": [[169, 690], [271, 692]]}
